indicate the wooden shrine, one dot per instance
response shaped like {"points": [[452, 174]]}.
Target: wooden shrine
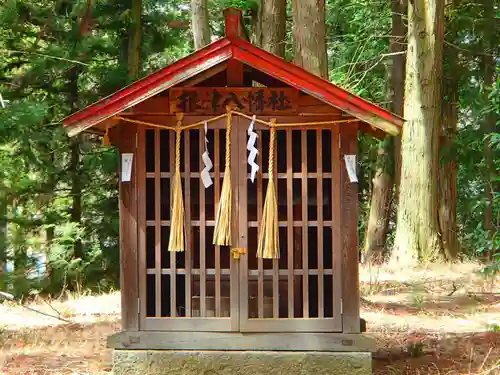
{"points": [[210, 296]]}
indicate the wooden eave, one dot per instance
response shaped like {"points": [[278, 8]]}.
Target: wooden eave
{"points": [[219, 52]]}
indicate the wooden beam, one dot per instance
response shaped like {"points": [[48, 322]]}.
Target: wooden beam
{"points": [[155, 340], [128, 234], [234, 73], [349, 234]]}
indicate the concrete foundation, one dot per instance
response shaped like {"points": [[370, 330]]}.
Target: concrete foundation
{"points": [[163, 362]]}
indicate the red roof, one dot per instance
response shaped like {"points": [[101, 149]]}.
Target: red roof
{"points": [[233, 47]]}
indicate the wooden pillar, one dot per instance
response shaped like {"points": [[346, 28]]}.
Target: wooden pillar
{"points": [[349, 233], [126, 140]]}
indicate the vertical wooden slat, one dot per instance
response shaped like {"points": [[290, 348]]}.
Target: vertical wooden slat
{"points": [[173, 253], [238, 232], [128, 233], [289, 215], [276, 301], [319, 194], [158, 291], [187, 210], [216, 163], [203, 247], [350, 262], [305, 203], [260, 261], [141, 213], [336, 223], [242, 222]]}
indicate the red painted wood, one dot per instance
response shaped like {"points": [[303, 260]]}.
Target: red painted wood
{"points": [[220, 51], [308, 82], [138, 91]]}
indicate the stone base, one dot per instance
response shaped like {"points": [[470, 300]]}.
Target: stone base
{"points": [[163, 362]]}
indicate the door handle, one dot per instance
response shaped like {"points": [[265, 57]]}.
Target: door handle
{"points": [[237, 252]]}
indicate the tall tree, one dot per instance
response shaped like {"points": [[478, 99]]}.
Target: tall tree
{"points": [[134, 46], [272, 29], [417, 234], [488, 64], [309, 34], [447, 178], [199, 23], [387, 164]]}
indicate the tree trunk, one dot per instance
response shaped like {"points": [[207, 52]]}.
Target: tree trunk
{"points": [[199, 23], [417, 235], [383, 182], [273, 26], [76, 191], [309, 34], [74, 167], [447, 180], [448, 171], [488, 125], [134, 47]]}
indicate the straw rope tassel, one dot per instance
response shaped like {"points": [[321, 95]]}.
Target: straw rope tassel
{"points": [[222, 230], [176, 241], [269, 247]]}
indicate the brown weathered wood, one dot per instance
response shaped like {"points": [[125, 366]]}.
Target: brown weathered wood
{"points": [[189, 248], [203, 245], [197, 79], [187, 325], [158, 252], [305, 242], [234, 73], [260, 261], [305, 104], [319, 197], [141, 221], [349, 209], [213, 100], [216, 162], [169, 120], [336, 224], [237, 232], [330, 342], [276, 279], [173, 254], [128, 235], [289, 230]]}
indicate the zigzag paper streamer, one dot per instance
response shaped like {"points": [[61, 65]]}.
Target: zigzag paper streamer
{"points": [[205, 173], [252, 139]]}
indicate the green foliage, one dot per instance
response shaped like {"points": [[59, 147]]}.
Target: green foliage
{"points": [[49, 68]]}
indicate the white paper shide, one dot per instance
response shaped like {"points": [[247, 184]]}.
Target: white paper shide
{"points": [[205, 173], [127, 159], [350, 164], [252, 140]]}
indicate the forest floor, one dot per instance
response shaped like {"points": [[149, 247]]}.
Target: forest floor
{"points": [[441, 320]]}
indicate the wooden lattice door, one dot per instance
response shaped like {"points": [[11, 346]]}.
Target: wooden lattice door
{"points": [[194, 290], [301, 290], [205, 288]]}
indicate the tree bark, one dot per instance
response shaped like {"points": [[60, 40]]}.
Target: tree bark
{"points": [[199, 23], [134, 46], [447, 180], [375, 248], [309, 34], [273, 26], [488, 125], [417, 235], [448, 171]]}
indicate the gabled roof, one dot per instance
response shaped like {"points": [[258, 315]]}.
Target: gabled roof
{"points": [[233, 47]]}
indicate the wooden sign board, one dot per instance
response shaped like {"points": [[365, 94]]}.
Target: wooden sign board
{"points": [[250, 100]]}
